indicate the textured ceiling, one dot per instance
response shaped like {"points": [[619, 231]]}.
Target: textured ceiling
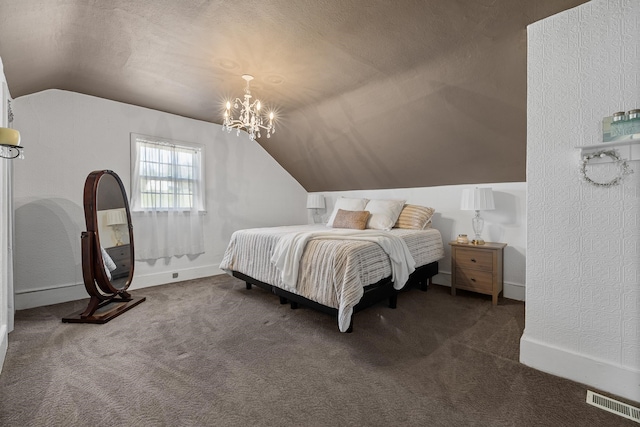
{"points": [[369, 93]]}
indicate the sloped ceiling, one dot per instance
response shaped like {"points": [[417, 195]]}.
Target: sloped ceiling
{"points": [[369, 94]]}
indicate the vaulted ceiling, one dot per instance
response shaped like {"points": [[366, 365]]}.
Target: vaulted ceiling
{"points": [[369, 94]]}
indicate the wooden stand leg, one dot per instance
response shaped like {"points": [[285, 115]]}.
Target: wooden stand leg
{"points": [[248, 285], [93, 305], [103, 311]]}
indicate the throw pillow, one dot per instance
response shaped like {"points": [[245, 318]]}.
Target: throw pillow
{"points": [[384, 213], [351, 219], [347, 204], [415, 217]]}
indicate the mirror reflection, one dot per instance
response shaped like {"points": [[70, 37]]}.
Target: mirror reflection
{"points": [[113, 231]]}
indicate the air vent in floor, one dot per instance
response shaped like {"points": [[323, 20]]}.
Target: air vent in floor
{"points": [[613, 406]]}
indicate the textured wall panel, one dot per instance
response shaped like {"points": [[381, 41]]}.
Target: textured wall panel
{"points": [[583, 252]]}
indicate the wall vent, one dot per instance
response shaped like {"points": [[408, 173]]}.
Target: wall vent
{"points": [[611, 405]]}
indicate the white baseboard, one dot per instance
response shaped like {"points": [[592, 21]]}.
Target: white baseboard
{"points": [[619, 380], [56, 294], [71, 292], [4, 344], [155, 279], [515, 291], [442, 278]]}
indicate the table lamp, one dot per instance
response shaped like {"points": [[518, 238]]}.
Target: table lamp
{"points": [[315, 202], [477, 199]]}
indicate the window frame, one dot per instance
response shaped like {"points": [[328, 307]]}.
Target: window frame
{"points": [[198, 196]]}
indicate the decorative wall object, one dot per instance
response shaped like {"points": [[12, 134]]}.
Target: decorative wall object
{"points": [[623, 168], [10, 147]]}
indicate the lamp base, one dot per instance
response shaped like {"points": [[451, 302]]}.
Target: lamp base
{"points": [[315, 215], [478, 224]]}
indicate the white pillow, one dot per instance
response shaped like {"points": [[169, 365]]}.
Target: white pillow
{"points": [[346, 204], [384, 213]]}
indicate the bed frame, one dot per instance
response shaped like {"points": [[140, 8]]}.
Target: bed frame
{"points": [[373, 294]]}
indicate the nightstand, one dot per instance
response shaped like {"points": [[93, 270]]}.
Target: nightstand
{"points": [[477, 268], [121, 256]]}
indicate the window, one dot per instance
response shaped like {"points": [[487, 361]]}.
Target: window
{"points": [[166, 175], [167, 197]]}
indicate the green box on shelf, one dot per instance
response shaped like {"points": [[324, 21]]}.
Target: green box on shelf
{"points": [[620, 130]]}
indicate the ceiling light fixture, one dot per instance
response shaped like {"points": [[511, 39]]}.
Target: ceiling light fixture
{"points": [[250, 119]]}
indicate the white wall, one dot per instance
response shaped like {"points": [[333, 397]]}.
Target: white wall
{"points": [[68, 135], [583, 254], [504, 224]]}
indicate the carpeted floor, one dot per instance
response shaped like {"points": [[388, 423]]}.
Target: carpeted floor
{"points": [[208, 352]]}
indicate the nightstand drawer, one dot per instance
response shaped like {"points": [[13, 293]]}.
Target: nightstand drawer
{"points": [[473, 258], [474, 280], [119, 253]]}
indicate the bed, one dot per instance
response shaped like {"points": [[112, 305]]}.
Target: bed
{"points": [[338, 270]]}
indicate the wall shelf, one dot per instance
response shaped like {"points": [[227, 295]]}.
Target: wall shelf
{"points": [[629, 148]]}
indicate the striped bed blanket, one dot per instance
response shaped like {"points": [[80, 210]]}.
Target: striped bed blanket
{"points": [[331, 272]]}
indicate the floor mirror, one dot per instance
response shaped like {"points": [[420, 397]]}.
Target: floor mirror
{"points": [[107, 250]]}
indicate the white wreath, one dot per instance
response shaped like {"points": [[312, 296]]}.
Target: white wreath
{"points": [[623, 167]]}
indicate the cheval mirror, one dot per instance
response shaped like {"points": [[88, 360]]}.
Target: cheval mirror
{"points": [[107, 250]]}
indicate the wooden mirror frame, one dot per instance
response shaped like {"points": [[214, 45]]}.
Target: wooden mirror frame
{"points": [[106, 301]]}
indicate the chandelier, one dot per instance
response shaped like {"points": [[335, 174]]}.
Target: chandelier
{"points": [[250, 119]]}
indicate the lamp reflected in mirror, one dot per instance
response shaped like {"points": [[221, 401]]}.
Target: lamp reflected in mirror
{"points": [[117, 219]]}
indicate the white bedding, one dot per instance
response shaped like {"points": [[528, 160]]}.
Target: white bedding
{"points": [[331, 272]]}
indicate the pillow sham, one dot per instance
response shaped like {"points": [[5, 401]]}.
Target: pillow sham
{"points": [[346, 204], [415, 217], [384, 213], [351, 219]]}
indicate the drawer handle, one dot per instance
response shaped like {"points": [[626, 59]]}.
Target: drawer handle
{"points": [[473, 260], [473, 280]]}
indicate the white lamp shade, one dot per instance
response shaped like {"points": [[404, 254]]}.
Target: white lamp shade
{"points": [[116, 217], [315, 201], [477, 199]]}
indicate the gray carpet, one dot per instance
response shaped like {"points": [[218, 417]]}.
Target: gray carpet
{"points": [[208, 352]]}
